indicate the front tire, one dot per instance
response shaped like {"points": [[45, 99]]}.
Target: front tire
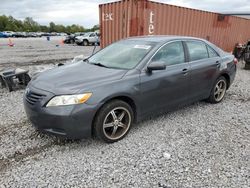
{"points": [[219, 90], [113, 121], [85, 43]]}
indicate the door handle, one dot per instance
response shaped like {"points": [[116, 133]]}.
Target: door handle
{"points": [[184, 71], [217, 63]]}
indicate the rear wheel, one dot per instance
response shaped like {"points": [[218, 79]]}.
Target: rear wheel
{"points": [[219, 90], [113, 121]]}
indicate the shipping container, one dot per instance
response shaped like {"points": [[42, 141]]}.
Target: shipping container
{"points": [[128, 18]]}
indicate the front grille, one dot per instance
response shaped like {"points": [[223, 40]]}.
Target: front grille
{"points": [[32, 97]]}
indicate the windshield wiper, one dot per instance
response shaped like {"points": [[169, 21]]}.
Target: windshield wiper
{"points": [[100, 65]]}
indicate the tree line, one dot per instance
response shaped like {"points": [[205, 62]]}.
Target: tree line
{"points": [[8, 23]]}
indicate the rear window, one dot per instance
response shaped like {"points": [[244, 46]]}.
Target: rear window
{"points": [[197, 50], [211, 52]]}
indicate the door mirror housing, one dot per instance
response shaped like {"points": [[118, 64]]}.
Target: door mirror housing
{"points": [[156, 65]]}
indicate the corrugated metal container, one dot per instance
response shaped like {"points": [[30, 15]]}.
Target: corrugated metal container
{"points": [[127, 18]]}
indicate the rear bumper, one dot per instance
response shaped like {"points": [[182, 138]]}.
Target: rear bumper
{"points": [[73, 121]]}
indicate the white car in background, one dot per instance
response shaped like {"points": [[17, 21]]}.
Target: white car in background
{"points": [[88, 39]]}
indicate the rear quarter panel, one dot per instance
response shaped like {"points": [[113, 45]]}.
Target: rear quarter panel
{"points": [[228, 66]]}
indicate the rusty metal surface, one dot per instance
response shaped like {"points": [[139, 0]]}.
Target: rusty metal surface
{"points": [[127, 18]]}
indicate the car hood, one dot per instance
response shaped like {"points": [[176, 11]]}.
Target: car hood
{"points": [[73, 78], [79, 37]]}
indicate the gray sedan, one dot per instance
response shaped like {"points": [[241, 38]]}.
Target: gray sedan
{"points": [[125, 83]]}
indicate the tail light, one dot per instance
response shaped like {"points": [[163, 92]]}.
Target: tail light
{"points": [[235, 61]]}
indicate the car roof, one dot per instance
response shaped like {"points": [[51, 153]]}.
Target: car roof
{"points": [[162, 38]]}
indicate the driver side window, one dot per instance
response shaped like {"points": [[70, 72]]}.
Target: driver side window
{"points": [[171, 54]]}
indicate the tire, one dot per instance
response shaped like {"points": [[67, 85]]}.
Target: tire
{"points": [[109, 115], [85, 43], [71, 41], [26, 79], [219, 90]]}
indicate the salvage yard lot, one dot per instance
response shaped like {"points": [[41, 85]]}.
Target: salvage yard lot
{"points": [[201, 145], [38, 51]]}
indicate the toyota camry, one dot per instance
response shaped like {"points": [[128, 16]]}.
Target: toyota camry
{"points": [[127, 81]]}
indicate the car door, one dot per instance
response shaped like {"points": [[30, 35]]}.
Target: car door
{"points": [[204, 67], [92, 38], [165, 89]]}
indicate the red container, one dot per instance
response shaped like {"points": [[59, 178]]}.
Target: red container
{"points": [[127, 18]]}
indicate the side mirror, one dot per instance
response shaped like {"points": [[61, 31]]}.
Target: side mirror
{"points": [[156, 65]]}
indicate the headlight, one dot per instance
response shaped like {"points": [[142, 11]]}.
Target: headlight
{"points": [[69, 99]]}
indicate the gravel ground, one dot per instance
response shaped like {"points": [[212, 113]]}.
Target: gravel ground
{"points": [[202, 145]]}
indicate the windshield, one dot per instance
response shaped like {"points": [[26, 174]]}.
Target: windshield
{"points": [[122, 55]]}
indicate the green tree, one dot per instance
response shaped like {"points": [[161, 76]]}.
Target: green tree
{"points": [[28, 24], [52, 27], [60, 28], [3, 22], [11, 27], [96, 27]]}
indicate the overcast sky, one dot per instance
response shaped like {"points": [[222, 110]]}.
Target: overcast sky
{"points": [[85, 12]]}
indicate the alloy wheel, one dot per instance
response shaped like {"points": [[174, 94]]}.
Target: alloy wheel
{"points": [[116, 123], [220, 90]]}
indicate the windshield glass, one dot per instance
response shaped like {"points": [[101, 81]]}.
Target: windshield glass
{"points": [[122, 55]]}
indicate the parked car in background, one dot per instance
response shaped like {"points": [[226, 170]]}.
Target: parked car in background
{"points": [[126, 82], [3, 35], [32, 34], [79, 34], [39, 34], [70, 39], [53, 34], [24, 34], [62, 34], [18, 34], [88, 39], [45, 34], [9, 33]]}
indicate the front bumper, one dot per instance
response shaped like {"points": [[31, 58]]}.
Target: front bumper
{"points": [[78, 41], [73, 121]]}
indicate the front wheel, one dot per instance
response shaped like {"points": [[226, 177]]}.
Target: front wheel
{"points": [[85, 43], [113, 121], [219, 90]]}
